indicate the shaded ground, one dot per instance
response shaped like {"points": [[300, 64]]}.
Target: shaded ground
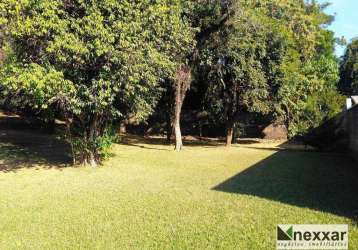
{"points": [[324, 182], [23, 146]]}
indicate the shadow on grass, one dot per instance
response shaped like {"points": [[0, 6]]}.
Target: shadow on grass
{"points": [[22, 146], [149, 142], [319, 181], [144, 143]]}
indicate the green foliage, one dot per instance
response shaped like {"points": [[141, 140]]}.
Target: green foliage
{"points": [[30, 85], [92, 60], [102, 145], [309, 96], [300, 21], [273, 57], [323, 105], [235, 60], [105, 141], [308, 72], [349, 70]]}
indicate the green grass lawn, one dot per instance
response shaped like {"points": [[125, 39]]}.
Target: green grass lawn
{"points": [[149, 197]]}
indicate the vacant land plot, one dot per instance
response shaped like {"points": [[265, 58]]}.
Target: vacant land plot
{"points": [[148, 196]]}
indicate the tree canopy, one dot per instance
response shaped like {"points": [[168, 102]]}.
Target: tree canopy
{"points": [[348, 84]]}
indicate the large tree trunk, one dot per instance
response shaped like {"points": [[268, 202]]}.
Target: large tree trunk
{"points": [[123, 128], [231, 109], [182, 84], [229, 133], [178, 139], [91, 156], [178, 106], [92, 159]]}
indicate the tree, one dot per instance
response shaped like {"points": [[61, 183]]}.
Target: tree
{"points": [[309, 68], [182, 82], [205, 16], [93, 61], [310, 96], [237, 76], [273, 59], [348, 84]]}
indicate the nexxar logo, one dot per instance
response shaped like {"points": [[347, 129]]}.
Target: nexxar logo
{"points": [[305, 235]]}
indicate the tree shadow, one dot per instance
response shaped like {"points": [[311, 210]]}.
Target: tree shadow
{"points": [[245, 141], [145, 142], [321, 181], [22, 146]]}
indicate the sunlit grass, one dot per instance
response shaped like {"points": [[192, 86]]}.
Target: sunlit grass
{"points": [[149, 197]]}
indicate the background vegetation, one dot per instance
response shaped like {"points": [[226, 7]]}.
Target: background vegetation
{"points": [[219, 66]]}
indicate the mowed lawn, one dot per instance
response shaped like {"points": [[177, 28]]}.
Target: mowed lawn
{"points": [[149, 197]]}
